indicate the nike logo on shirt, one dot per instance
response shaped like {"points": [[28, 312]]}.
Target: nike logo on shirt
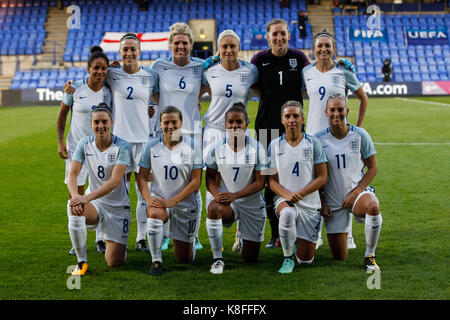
{"points": [[265, 64], [155, 156], [83, 97]]}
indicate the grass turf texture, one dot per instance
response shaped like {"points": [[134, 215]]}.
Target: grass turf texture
{"points": [[412, 185]]}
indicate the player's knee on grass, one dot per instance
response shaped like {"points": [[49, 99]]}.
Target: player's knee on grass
{"points": [[338, 246], [115, 255], [250, 251], [182, 251], [305, 250]]}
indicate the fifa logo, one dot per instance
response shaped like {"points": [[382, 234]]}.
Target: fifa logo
{"points": [[374, 21], [74, 21]]}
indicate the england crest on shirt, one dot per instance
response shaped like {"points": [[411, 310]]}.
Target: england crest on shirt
{"points": [[338, 81], [244, 78], [354, 145], [293, 63], [112, 158], [196, 71], [307, 153], [145, 82]]}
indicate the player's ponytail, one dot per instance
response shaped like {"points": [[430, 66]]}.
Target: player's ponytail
{"points": [[97, 52]]}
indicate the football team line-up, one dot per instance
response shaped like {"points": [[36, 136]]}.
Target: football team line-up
{"points": [[127, 118]]}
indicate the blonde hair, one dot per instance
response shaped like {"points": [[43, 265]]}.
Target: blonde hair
{"points": [[230, 33], [181, 28]]}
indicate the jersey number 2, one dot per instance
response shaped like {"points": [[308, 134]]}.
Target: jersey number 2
{"points": [[131, 92]]}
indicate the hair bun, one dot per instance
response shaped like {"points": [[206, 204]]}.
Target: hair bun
{"points": [[96, 49]]}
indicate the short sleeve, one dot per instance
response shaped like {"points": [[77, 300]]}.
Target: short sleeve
{"points": [[319, 154], [271, 157], [155, 78], [351, 81], [145, 161], [262, 161], [79, 150], [205, 78], [67, 99], [367, 146], [198, 156], [254, 71], [211, 158], [124, 154]]}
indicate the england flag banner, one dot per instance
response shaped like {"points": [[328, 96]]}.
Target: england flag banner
{"points": [[150, 41], [424, 37]]}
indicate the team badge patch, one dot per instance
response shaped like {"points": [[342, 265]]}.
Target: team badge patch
{"points": [[145, 82], [354, 145], [307, 153], [112, 157], [196, 71], [338, 81], [243, 78], [293, 63]]}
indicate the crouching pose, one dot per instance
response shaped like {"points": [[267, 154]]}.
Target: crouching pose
{"points": [[106, 202], [237, 161], [300, 170], [349, 150], [176, 175]]}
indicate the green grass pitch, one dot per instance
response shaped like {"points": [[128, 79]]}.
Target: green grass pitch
{"points": [[412, 139]]}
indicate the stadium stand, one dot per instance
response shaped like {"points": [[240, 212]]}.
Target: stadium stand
{"points": [[410, 63], [246, 18], [17, 37]]}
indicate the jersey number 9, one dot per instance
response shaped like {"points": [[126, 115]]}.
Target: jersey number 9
{"points": [[322, 92]]}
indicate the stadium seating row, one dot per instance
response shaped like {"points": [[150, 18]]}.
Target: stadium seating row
{"points": [[54, 79], [236, 15], [21, 38]]}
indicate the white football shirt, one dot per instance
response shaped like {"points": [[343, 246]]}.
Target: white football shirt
{"points": [[172, 169], [345, 163], [100, 166], [81, 103], [237, 168], [319, 87], [227, 88], [295, 165], [131, 98], [180, 87]]}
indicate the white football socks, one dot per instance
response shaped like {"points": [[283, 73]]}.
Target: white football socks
{"points": [[350, 226], [287, 230], [372, 230], [215, 234], [78, 234], [141, 215], [198, 198], [155, 236]]}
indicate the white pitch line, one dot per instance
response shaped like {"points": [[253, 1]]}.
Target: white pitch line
{"points": [[422, 101], [413, 143]]}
